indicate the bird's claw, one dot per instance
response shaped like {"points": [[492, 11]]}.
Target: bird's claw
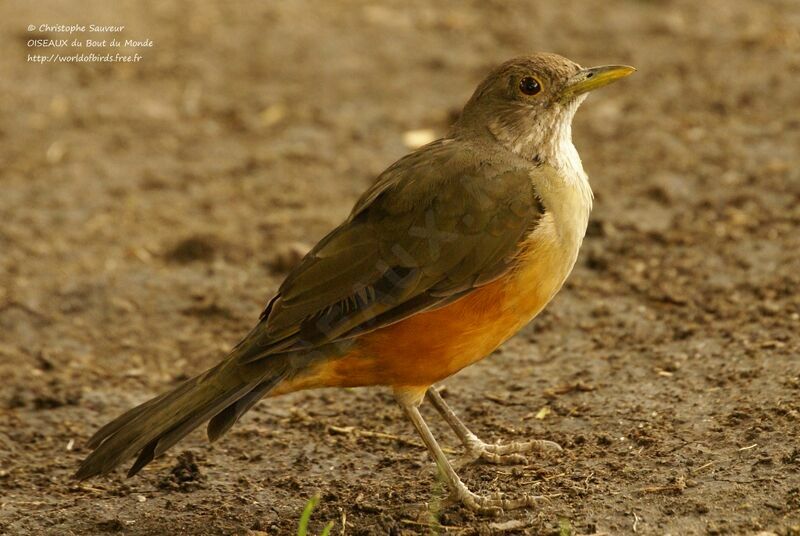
{"points": [[506, 453], [493, 504]]}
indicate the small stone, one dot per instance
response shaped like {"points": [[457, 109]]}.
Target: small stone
{"points": [[414, 139], [272, 114]]}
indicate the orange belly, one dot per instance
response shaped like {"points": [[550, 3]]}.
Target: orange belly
{"points": [[431, 346], [428, 347]]}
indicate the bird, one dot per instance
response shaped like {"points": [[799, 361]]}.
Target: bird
{"points": [[451, 251]]}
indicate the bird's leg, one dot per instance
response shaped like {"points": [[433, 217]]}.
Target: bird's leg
{"points": [[492, 504], [508, 453]]}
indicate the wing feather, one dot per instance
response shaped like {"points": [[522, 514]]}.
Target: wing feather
{"points": [[435, 226]]}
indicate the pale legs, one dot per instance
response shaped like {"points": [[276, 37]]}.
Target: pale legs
{"points": [[509, 453], [492, 504]]}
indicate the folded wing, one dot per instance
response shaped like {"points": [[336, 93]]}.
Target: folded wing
{"points": [[436, 225]]}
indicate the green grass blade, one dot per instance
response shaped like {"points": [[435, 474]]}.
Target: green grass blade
{"points": [[302, 526], [327, 530]]}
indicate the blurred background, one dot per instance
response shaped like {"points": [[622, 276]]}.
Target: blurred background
{"points": [[148, 210]]}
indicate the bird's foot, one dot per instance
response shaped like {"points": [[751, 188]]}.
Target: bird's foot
{"points": [[493, 504], [505, 453]]}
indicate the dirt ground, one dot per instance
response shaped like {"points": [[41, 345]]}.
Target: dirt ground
{"points": [[149, 210]]}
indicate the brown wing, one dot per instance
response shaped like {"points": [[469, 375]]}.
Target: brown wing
{"points": [[436, 225]]}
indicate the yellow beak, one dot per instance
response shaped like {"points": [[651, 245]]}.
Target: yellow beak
{"points": [[593, 78]]}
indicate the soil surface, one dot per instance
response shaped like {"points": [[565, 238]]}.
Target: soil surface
{"points": [[150, 209]]}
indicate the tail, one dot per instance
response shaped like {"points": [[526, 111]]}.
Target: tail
{"points": [[221, 394]]}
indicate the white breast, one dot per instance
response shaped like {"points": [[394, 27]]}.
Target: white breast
{"points": [[554, 244], [567, 197]]}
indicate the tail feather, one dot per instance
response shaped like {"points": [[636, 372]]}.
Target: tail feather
{"points": [[225, 419], [153, 427], [129, 416], [177, 431]]}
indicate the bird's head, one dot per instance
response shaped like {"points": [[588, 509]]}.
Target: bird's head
{"points": [[527, 103]]}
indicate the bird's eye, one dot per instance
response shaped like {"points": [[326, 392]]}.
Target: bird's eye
{"points": [[530, 86]]}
